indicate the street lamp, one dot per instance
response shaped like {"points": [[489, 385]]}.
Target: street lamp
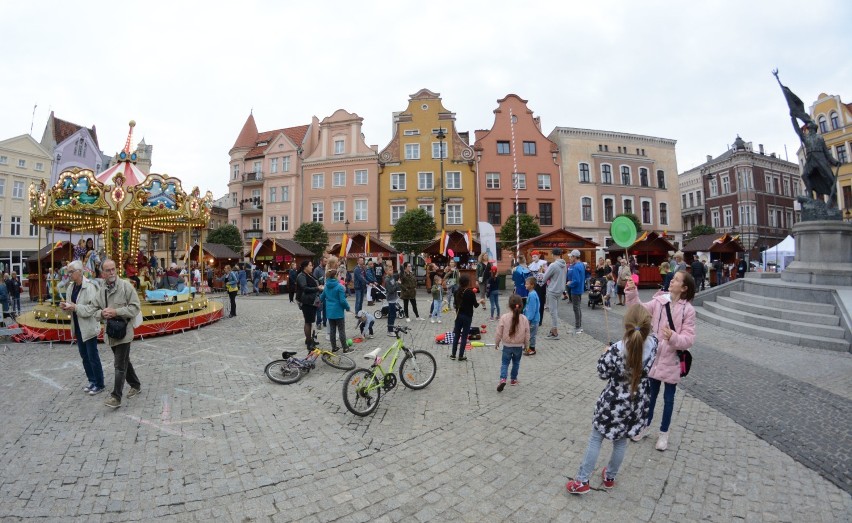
{"points": [[346, 223], [440, 138], [173, 247]]}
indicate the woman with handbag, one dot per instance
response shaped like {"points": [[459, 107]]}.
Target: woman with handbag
{"points": [[232, 285], [307, 292], [667, 369]]}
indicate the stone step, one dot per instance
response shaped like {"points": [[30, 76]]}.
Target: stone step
{"points": [[800, 327], [778, 303], [782, 314], [793, 338]]}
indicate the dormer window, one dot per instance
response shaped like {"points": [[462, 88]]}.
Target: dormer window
{"points": [[263, 143]]}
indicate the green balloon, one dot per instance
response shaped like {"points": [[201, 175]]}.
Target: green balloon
{"points": [[623, 231], [349, 342]]}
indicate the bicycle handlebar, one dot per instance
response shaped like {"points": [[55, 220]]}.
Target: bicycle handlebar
{"points": [[398, 329]]}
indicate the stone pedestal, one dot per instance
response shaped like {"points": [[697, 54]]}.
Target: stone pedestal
{"points": [[823, 254]]}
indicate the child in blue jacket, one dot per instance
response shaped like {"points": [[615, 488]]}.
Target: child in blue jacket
{"points": [[533, 314]]}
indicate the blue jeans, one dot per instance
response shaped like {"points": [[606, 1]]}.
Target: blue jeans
{"points": [[16, 303], [668, 403], [436, 309], [91, 359], [322, 320], [533, 332], [619, 447], [391, 315], [494, 297], [359, 299], [461, 330], [512, 354]]}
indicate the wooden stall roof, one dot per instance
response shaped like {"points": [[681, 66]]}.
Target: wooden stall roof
{"points": [[288, 246], [648, 242], [714, 243], [214, 250], [358, 248], [63, 252], [561, 238], [456, 242]]}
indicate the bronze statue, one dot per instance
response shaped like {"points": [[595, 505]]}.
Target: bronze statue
{"points": [[816, 174]]}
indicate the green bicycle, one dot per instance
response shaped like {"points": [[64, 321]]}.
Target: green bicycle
{"points": [[362, 388]]}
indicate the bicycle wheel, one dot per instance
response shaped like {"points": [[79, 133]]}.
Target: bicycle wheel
{"points": [[417, 369], [355, 396], [284, 372], [338, 361]]}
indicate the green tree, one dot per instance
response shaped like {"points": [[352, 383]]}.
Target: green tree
{"points": [[508, 237], [700, 230], [227, 235], [413, 231], [635, 219], [312, 236]]}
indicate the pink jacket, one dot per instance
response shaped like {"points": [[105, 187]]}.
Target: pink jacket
{"points": [[666, 366], [522, 333]]}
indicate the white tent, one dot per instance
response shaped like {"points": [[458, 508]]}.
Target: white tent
{"points": [[782, 254]]}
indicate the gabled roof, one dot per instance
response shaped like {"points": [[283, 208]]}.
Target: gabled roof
{"points": [[718, 242], [295, 134], [216, 250], [62, 129]]}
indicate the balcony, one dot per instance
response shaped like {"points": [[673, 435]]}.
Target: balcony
{"points": [[251, 206], [255, 178], [697, 210], [250, 234]]}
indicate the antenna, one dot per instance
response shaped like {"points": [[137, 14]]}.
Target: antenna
{"points": [[32, 121]]}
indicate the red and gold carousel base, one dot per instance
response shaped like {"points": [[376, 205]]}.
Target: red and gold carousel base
{"points": [[50, 323]]}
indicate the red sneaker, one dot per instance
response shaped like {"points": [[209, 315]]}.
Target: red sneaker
{"points": [[515, 382], [577, 487], [501, 385], [607, 483]]}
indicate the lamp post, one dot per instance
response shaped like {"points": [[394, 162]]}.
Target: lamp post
{"points": [[173, 247], [346, 223], [440, 138]]}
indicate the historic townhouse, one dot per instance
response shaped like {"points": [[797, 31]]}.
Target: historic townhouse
{"points": [[606, 173], [339, 180], [23, 161], [751, 194], [72, 145], [691, 186], [427, 159], [264, 183], [515, 142], [834, 119]]}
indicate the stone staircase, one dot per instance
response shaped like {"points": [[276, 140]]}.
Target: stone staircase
{"points": [[769, 308]]}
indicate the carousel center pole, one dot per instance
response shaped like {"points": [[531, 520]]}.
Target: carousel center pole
{"points": [[40, 299], [52, 270], [202, 275]]}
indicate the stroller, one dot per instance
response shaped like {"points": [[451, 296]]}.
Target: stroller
{"points": [[380, 313], [596, 293], [378, 293]]}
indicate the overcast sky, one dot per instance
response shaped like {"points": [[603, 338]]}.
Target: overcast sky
{"points": [[189, 73]]}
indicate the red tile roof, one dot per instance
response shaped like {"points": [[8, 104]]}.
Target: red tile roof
{"points": [[296, 134], [63, 129]]}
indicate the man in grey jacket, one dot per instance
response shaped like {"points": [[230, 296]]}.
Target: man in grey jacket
{"points": [[555, 278], [80, 296]]}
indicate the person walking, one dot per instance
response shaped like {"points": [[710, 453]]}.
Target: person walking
{"points": [[576, 285], [119, 300], [333, 300], [697, 273], [623, 404], [666, 367], [307, 293], [409, 291], [292, 273], [555, 279], [493, 291], [437, 298], [465, 303], [80, 303], [533, 314], [243, 276], [359, 276], [483, 272], [513, 332]]}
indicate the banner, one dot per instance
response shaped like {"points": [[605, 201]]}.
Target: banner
{"points": [[488, 239], [367, 244], [255, 247]]}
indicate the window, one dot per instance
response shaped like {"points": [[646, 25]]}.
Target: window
{"points": [[273, 165], [847, 197], [18, 190], [5, 159], [584, 173], [841, 154], [411, 132], [397, 181], [235, 171], [285, 194], [545, 213], [714, 187], [529, 148], [729, 216], [258, 167], [412, 151], [683, 201], [3, 186], [233, 199], [22, 164], [543, 182], [522, 208], [627, 205], [835, 122], [396, 213], [428, 207], [273, 223], [698, 197], [625, 175], [80, 147], [789, 216], [495, 214], [691, 200], [664, 214], [361, 177], [338, 179], [646, 211], [317, 181], [436, 149], [317, 211], [823, 126], [33, 230], [425, 181], [643, 177], [609, 209], [273, 194], [255, 223], [503, 148], [453, 180], [586, 206], [606, 174], [520, 181], [15, 229], [770, 187], [772, 221], [285, 223], [748, 214], [661, 179], [714, 217], [338, 211], [234, 223], [255, 198], [285, 164], [492, 180], [726, 184], [338, 147], [454, 214], [360, 210]]}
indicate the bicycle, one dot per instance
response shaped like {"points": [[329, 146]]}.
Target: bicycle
{"points": [[362, 388], [290, 369]]}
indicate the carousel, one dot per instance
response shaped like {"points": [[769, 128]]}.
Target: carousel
{"points": [[123, 205]]}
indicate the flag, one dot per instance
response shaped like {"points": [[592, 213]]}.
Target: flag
{"points": [[344, 245], [469, 240], [58, 245], [367, 244], [443, 245], [274, 245], [255, 247], [720, 239]]}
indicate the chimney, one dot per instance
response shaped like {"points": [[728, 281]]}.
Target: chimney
{"points": [[760, 147], [709, 157]]}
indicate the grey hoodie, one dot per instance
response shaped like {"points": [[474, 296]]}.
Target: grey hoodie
{"points": [[555, 276]]}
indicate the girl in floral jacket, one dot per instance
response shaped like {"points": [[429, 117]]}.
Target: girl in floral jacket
{"points": [[623, 405]]}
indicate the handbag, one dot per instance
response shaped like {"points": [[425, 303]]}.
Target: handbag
{"points": [[683, 356], [116, 328]]}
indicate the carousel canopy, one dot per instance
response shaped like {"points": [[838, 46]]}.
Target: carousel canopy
{"points": [[132, 174]]}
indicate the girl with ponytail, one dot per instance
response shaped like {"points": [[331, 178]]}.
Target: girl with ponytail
{"points": [[624, 403], [513, 332]]}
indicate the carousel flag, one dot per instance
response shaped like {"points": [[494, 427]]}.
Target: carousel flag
{"points": [[255, 247], [719, 239], [58, 245], [367, 244]]}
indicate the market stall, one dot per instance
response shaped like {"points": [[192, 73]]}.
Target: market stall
{"points": [[651, 249], [457, 245], [724, 247], [365, 246]]}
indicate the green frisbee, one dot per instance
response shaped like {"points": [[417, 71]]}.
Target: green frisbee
{"points": [[623, 231]]}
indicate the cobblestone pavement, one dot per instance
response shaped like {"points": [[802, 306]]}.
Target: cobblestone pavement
{"points": [[211, 437]]}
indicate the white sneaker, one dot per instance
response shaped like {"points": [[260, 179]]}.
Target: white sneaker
{"points": [[439, 321], [432, 321], [408, 320], [663, 441], [422, 319], [642, 434]]}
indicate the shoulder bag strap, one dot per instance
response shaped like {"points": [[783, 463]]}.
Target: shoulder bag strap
{"points": [[669, 316]]}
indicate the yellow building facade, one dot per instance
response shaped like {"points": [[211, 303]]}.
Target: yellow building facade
{"points": [[834, 119], [412, 171]]}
